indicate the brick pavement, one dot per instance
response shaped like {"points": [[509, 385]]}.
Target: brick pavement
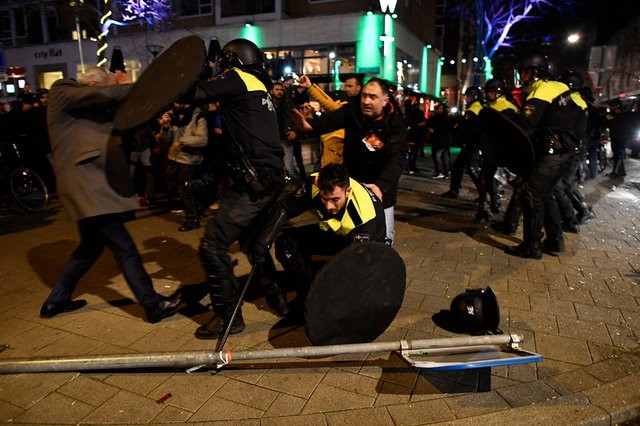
{"points": [[580, 310]]}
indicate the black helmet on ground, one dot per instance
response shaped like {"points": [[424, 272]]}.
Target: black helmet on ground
{"points": [[495, 84], [476, 311], [474, 92], [573, 79], [241, 53]]}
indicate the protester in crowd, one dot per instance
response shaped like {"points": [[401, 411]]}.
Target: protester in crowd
{"points": [[79, 117]]}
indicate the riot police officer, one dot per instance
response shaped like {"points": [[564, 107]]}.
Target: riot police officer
{"points": [[567, 192], [468, 137], [488, 187], [255, 157], [549, 118]]}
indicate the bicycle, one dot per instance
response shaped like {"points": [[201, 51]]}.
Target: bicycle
{"points": [[26, 187]]}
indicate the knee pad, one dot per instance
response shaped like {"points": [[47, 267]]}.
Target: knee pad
{"points": [[214, 261]]}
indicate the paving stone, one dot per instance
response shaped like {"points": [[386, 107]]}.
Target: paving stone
{"points": [[476, 404], [54, 408], [374, 416], [620, 398], [572, 409], [419, 413], [190, 391], [552, 306], [527, 393], [140, 383], [125, 407], [88, 390], [172, 415], [563, 349], [328, 398], [391, 394], [24, 390], [218, 409], [576, 380], [298, 420], [8, 412], [244, 393], [299, 382], [522, 319], [286, 406], [592, 331]]}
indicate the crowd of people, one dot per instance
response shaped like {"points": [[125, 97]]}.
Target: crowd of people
{"points": [[236, 139]]}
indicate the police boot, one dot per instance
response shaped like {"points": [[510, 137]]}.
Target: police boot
{"points": [[553, 245], [274, 296], [526, 250], [214, 329], [483, 216], [585, 213], [223, 303]]}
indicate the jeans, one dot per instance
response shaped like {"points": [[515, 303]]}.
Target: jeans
{"points": [[389, 221]]}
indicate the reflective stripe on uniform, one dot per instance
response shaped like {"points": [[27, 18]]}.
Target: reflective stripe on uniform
{"points": [[250, 81]]}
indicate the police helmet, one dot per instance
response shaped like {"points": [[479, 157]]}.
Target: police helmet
{"points": [[476, 311], [572, 79], [537, 62], [496, 84], [241, 52], [474, 92]]}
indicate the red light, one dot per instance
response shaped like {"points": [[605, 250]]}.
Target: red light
{"points": [[622, 95]]}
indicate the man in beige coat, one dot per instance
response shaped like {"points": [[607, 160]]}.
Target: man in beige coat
{"points": [[79, 117]]}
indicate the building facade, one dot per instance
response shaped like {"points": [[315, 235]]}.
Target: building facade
{"points": [[321, 38]]}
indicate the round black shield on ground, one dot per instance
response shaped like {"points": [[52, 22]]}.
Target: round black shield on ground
{"points": [[505, 144], [356, 295], [167, 78]]}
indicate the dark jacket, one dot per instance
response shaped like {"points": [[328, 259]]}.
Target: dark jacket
{"points": [[381, 166], [249, 116]]}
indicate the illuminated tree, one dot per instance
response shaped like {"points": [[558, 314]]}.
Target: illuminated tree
{"points": [[156, 13], [494, 20]]}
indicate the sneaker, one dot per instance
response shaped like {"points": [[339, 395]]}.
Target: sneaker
{"points": [[439, 176]]}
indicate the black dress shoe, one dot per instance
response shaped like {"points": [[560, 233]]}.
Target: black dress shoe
{"points": [[526, 250], [450, 194], [50, 309], [166, 307]]}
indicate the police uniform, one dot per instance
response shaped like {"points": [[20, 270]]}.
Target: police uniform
{"points": [[566, 192], [488, 188], [468, 159], [250, 129], [362, 219], [549, 118]]}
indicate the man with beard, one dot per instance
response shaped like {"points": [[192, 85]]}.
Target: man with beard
{"points": [[375, 137]]}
